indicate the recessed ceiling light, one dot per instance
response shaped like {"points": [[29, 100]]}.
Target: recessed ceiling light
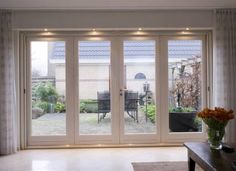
{"points": [[45, 29], [140, 29], [187, 28]]}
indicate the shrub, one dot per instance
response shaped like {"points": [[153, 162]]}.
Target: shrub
{"points": [[182, 109], [60, 107], [45, 92], [91, 107], [82, 107], [151, 112], [43, 105], [88, 106]]}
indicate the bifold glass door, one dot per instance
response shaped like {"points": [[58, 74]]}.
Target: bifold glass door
{"points": [[94, 87], [95, 114], [185, 94], [186, 87], [48, 105], [138, 90], [48, 89], [115, 90], [136, 98]]}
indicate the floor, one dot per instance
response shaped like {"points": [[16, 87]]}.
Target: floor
{"points": [[94, 159]]}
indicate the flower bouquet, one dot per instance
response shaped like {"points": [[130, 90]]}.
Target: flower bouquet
{"points": [[216, 120]]}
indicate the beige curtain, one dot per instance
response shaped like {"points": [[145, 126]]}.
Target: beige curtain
{"points": [[225, 65], [7, 86]]}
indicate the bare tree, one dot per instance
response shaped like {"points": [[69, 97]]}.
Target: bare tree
{"points": [[187, 86]]}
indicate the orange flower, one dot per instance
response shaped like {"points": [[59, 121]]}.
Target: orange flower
{"points": [[218, 113]]}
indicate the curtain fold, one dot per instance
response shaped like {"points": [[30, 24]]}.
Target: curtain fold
{"points": [[8, 139], [225, 65]]}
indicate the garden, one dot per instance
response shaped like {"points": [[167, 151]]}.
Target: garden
{"points": [[46, 99], [184, 97], [184, 100]]}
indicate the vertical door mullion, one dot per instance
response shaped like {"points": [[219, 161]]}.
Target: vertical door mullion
{"points": [[164, 124], [120, 90], [76, 90], [29, 92], [115, 88], [70, 90], [158, 87]]}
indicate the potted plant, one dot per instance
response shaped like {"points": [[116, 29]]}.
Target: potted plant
{"points": [[183, 120]]}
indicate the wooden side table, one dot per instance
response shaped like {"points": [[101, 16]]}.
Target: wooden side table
{"points": [[207, 159]]}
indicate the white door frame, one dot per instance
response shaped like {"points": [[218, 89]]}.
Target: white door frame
{"points": [[51, 140], [171, 137], [139, 137], [162, 135], [113, 138]]}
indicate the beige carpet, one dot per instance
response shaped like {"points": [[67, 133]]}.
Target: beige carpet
{"points": [[162, 166]]}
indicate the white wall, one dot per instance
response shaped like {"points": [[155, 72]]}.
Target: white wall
{"points": [[161, 19], [152, 19], [95, 77]]}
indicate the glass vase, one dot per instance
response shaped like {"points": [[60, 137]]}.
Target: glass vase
{"points": [[215, 137]]}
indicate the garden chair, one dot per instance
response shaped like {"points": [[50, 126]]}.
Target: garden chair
{"points": [[103, 104]]}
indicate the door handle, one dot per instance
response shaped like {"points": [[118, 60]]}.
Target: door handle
{"points": [[122, 91]]}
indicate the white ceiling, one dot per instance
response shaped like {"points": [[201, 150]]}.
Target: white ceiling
{"points": [[117, 4]]}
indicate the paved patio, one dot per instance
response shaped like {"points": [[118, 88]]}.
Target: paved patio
{"points": [[54, 124]]}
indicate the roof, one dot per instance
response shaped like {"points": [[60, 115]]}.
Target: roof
{"points": [[133, 50]]}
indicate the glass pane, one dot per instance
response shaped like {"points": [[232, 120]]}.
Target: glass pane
{"points": [[94, 87], [184, 70], [48, 88], [139, 86]]}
